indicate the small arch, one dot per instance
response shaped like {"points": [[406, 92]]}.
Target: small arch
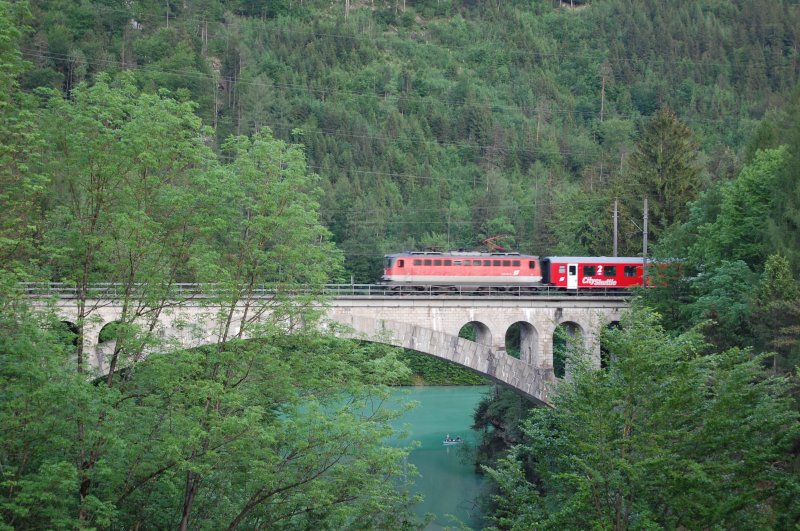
{"points": [[521, 340], [68, 333], [477, 332], [109, 332], [567, 338]]}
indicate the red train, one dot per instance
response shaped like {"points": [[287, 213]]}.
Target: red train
{"points": [[452, 271]]}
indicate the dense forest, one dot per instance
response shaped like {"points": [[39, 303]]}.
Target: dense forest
{"points": [[442, 123], [297, 142]]}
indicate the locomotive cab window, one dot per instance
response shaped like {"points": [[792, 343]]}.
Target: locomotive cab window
{"points": [[401, 263], [610, 271], [589, 271], [630, 271], [532, 264]]}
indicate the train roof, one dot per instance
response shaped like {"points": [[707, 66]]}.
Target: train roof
{"points": [[596, 259], [460, 254]]}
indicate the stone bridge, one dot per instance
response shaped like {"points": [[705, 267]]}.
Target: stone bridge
{"points": [[428, 324]]}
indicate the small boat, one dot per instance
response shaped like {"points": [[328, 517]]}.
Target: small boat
{"points": [[452, 440]]}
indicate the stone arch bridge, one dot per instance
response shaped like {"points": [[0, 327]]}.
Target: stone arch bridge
{"points": [[428, 324]]}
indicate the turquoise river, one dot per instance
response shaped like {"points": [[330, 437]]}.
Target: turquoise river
{"points": [[447, 477]]}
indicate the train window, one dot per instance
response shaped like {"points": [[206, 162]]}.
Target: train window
{"points": [[506, 263], [387, 263], [562, 269], [456, 262], [630, 271], [437, 262], [515, 263], [589, 271], [487, 262], [610, 271], [532, 264], [401, 263], [428, 261], [467, 262], [495, 262], [448, 262], [417, 262]]}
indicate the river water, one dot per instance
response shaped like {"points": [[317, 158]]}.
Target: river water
{"points": [[447, 477]]}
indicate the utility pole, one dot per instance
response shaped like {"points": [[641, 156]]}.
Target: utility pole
{"points": [[644, 247], [616, 217], [602, 96]]}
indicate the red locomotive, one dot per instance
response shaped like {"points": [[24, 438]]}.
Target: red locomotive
{"points": [[452, 270], [504, 271]]}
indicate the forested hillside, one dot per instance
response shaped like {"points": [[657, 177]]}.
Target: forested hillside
{"points": [[294, 142], [441, 123]]}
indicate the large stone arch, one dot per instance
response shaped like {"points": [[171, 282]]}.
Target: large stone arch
{"points": [[483, 359]]}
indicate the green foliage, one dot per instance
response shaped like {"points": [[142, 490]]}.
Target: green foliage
{"points": [[295, 438], [119, 161], [442, 118], [663, 438], [21, 183], [740, 229], [784, 218], [723, 295], [776, 314], [135, 197], [664, 169], [41, 396], [432, 371], [425, 127], [731, 231], [498, 417]]}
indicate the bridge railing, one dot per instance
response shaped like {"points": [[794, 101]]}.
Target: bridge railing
{"points": [[109, 290]]}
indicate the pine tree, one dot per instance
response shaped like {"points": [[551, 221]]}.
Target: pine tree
{"points": [[664, 168], [777, 313]]}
